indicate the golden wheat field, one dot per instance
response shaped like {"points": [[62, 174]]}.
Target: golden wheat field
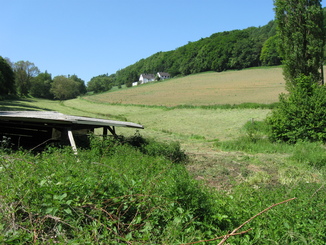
{"points": [[231, 87]]}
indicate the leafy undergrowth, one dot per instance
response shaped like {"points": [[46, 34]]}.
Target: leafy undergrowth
{"points": [[302, 221], [110, 194], [138, 191]]}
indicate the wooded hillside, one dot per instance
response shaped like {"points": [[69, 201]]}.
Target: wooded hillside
{"points": [[222, 51]]}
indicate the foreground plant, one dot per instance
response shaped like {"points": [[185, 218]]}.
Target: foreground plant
{"points": [[111, 194]]}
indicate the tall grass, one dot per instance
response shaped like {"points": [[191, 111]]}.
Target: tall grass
{"points": [[254, 139]]}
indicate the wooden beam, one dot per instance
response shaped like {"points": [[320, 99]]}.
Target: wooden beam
{"points": [[105, 132], [72, 141], [112, 130]]}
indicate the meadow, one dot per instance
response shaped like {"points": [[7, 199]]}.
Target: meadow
{"points": [[143, 195], [259, 85]]}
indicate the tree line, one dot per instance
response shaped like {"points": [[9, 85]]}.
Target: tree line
{"points": [[23, 78]]}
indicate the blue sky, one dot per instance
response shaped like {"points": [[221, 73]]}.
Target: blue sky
{"points": [[94, 37]]}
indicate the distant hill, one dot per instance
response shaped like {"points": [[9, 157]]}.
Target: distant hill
{"points": [[222, 51]]}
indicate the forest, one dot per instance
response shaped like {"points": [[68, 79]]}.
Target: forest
{"points": [[237, 49]]}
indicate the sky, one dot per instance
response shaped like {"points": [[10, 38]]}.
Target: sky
{"points": [[94, 37]]}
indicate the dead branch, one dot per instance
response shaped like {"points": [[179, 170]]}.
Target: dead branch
{"points": [[216, 238], [318, 190], [265, 210], [234, 232]]}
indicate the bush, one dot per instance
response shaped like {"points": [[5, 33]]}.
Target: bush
{"points": [[169, 150], [301, 114]]}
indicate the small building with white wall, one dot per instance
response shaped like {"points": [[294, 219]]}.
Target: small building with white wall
{"points": [[145, 78], [163, 75]]}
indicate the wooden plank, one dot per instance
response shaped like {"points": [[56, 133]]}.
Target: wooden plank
{"points": [[59, 118], [72, 141]]}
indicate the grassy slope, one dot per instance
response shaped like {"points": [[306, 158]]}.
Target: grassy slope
{"points": [[231, 87]]}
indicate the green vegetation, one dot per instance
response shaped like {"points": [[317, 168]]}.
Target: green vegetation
{"points": [[64, 88], [101, 83], [111, 193], [203, 89], [41, 86], [211, 167], [301, 114], [254, 139], [301, 30], [142, 191], [24, 72], [6, 79], [23, 79], [116, 193], [223, 51]]}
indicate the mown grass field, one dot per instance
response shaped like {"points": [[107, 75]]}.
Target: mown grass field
{"points": [[226, 152], [231, 87]]}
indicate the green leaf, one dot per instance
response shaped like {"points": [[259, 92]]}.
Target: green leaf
{"points": [[286, 225]]}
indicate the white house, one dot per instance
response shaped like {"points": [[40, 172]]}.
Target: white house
{"points": [[163, 75], [145, 78]]}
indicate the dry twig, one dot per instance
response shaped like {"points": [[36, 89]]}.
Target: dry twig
{"points": [[318, 190], [234, 232], [265, 210]]}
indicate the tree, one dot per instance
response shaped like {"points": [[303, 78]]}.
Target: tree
{"points": [[301, 113], [100, 84], [7, 78], [41, 86], [24, 72], [82, 87], [269, 53], [64, 88], [301, 32]]}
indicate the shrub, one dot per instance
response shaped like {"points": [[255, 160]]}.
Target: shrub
{"points": [[301, 115], [169, 150]]}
